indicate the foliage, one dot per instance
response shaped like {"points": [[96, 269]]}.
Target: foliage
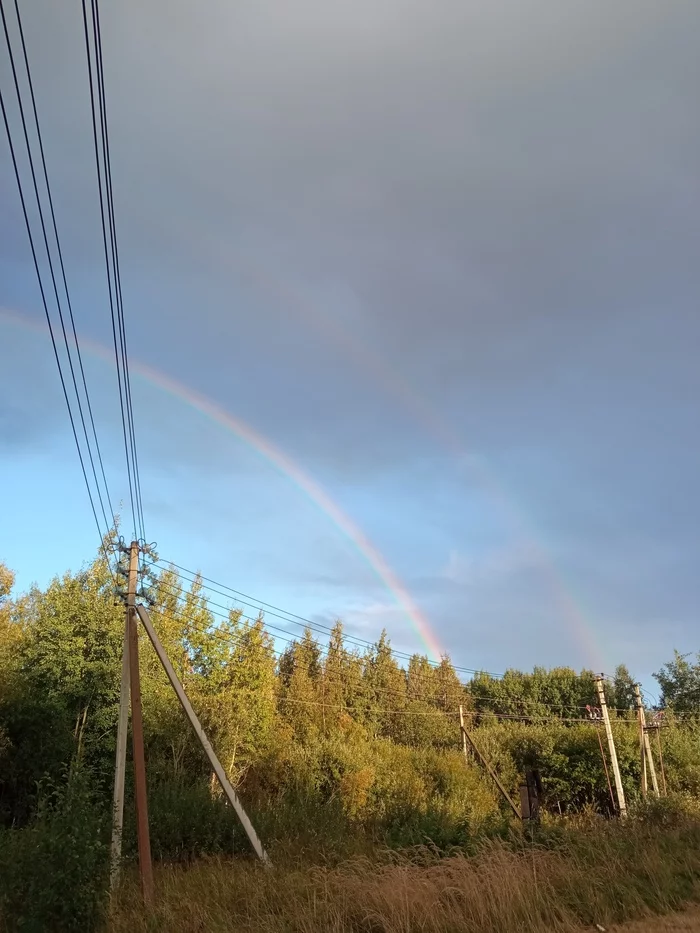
{"points": [[679, 680], [53, 872], [555, 882], [332, 749]]}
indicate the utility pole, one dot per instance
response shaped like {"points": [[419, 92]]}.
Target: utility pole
{"points": [[144, 841], [647, 757], [463, 730], [120, 764], [622, 806]]}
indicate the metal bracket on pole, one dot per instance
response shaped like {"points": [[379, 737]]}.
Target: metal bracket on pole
{"points": [[206, 745]]}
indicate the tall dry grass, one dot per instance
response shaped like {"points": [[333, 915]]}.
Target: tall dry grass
{"points": [[580, 878]]}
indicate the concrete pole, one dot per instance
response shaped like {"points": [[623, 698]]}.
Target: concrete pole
{"points": [[143, 837], [621, 805], [120, 765]]}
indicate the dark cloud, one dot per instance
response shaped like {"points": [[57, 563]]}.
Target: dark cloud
{"points": [[388, 234]]}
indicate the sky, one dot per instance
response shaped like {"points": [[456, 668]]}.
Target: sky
{"points": [[429, 273]]}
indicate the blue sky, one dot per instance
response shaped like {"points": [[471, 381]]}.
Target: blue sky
{"points": [[443, 256]]}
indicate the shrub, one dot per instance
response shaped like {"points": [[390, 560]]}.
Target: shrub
{"points": [[54, 871]]}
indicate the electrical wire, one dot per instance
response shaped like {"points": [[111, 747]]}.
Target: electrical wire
{"points": [[297, 620], [293, 618], [112, 286], [60, 259], [97, 34], [407, 693], [42, 221]]}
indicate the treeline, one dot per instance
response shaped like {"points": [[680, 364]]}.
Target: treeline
{"points": [[320, 737]]}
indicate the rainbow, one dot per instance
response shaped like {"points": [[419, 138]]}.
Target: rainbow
{"points": [[394, 384], [281, 462]]}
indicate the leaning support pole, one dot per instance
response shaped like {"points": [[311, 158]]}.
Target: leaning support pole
{"points": [[211, 755], [648, 761], [120, 766], [622, 806], [467, 738]]}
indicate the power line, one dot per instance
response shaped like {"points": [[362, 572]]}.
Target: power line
{"points": [[409, 694], [60, 258], [48, 252], [97, 33], [113, 293], [42, 291], [292, 617]]}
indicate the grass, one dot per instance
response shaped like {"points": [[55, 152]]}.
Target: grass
{"points": [[687, 922], [567, 879]]}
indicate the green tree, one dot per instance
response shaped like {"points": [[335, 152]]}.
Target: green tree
{"points": [[679, 680], [385, 689], [301, 700]]}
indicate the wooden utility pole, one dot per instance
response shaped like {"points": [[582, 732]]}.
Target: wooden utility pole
{"points": [[464, 738], [621, 805], [206, 745], [144, 841], [661, 757], [467, 738], [120, 763], [647, 757], [605, 766]]}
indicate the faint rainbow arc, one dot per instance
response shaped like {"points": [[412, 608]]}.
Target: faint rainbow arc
{"points": [[284, 465], [386, 375]]}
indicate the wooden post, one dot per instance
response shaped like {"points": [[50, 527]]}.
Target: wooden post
{"points": [[144, 841], [206, 745], [622, 806], [647, 757], [661, 759], [464, 738], [120, 765], [467, 738], [605, 765]]}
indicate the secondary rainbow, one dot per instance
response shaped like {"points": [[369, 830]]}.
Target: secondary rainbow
{"points": [[366, 357]]}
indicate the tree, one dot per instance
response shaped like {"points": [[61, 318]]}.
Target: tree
{"points": [[65, 695], [679, 680], [301, 701], [385, 688], [234, 689], [622, 694]]}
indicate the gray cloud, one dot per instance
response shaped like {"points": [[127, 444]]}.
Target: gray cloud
{"points": [[355, 225]]}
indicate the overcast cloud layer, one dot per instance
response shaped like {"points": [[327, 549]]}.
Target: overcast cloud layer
{"points": [[443, 254]]}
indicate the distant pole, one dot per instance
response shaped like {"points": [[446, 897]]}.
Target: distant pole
{"points": [[647, 757], [661, 759], [642, 752], [622, 806], [120, 764], [144, 841], [464, 738], [605, 765]]}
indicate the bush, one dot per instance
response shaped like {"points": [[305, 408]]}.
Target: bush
{"points": [[54, 872], [187, 820]]}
